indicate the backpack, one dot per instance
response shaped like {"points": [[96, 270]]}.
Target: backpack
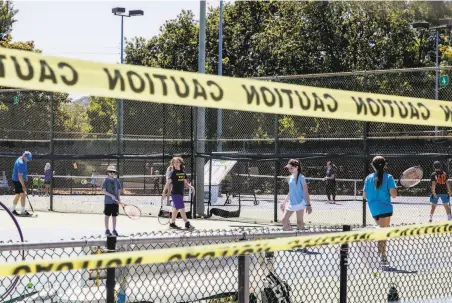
{"points": [[275, 290]]}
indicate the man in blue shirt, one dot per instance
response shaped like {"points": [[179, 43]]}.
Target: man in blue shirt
{"points": [[20, 175]]}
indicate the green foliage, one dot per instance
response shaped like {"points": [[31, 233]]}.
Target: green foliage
{"points": [[75, 118], [102, 115], [269, 38], [7, 16]]}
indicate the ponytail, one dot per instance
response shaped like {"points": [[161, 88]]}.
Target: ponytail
{"points": [[379, 164], [379, 178], [299, 172]]}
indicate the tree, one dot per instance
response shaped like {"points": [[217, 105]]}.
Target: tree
{"points": [[7, 16], [74, 117], [102, 115], [274, 38]]}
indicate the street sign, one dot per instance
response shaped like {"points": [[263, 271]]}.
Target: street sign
{"points": [[16, 99], [444, 80]]}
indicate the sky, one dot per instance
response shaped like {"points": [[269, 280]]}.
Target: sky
{"points": [[88, 30]]}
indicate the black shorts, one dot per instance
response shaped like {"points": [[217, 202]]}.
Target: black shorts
{"points": [[46, 182], [111, 210], [18, 187], [380, 216]]}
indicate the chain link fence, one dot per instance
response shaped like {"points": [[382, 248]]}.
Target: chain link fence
{"points": [[80, 138], [329, 273]]}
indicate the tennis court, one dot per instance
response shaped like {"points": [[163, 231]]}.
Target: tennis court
{"points": [[347, 210]]}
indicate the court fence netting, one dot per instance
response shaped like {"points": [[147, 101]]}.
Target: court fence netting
{"points": [[350, 272], [80, 138]]}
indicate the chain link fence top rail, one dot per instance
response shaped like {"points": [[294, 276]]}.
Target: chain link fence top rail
{"points": [[329, 273]]}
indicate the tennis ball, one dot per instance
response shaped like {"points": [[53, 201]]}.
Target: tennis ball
{"points": [[30, 285], [375, 274]]}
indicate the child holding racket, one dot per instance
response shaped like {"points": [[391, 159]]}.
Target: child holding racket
{"points": [[440, 190], [298, 198], [111, 188], [379, 187], [176, 181]]}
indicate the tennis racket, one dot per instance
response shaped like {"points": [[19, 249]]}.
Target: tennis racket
{"points": [[410, 177], [33, 214], [164, 215], [131, 211]]}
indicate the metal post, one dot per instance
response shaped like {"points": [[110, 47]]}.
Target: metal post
{"points": [[52, 149], [110, 283], [220, 73], [437, 72], [120, 130], [192, 160], [200, 114], [343, 265], [244, 278], [275, 206], [365, 152]]}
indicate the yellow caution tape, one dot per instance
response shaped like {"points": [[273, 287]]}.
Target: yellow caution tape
{"points": [[217, 250], [34, 71]]}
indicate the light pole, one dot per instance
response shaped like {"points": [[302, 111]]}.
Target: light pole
{"points": [[121, 12], [220, 72], [442, 24]]}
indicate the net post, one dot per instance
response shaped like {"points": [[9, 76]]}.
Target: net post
{"points": [[111, 272], [343, 265], [244, 278]]}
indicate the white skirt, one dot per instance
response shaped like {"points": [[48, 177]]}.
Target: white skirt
{"points": [[296, 207]]}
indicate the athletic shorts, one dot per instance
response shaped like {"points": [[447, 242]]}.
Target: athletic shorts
{"points": [[18, 187], [111, 210], [46, 182], [296, 207], [178, 201], [380, 216], [444, 198]]}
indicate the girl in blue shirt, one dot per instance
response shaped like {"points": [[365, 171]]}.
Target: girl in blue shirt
{"points": [[298, 198], [379, 187]]}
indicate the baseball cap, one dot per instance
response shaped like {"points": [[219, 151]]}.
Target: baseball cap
{"points": [[27, 155], [292, 162]]}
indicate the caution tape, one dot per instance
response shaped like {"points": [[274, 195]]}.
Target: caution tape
{"points": [[218, 250], [29, 70]]}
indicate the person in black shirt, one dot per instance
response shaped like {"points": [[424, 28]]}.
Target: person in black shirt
{"points": [[330, 178], [176, 181], [440, 190]]}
